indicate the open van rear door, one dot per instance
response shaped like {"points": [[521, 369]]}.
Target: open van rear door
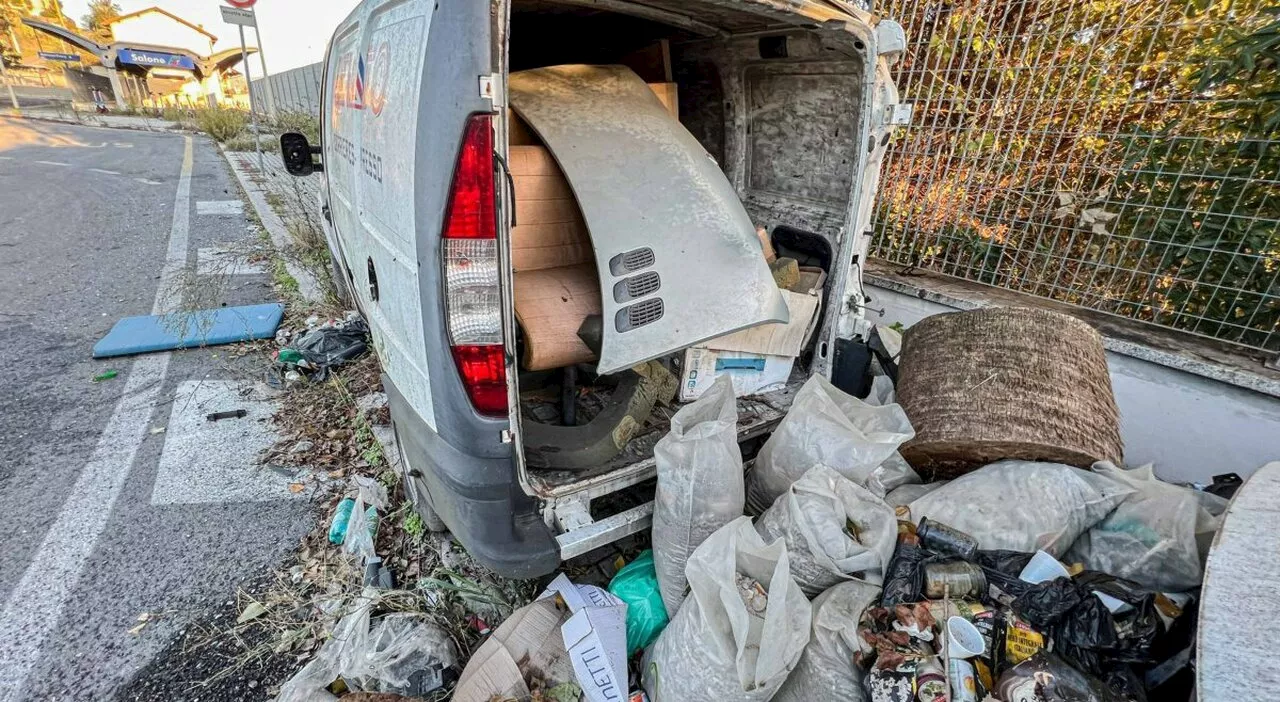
{"points": [[409, 161]]}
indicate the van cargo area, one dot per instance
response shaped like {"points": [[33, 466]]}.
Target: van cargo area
{"points": [[611, 202], [777, 110], [612, 256]]}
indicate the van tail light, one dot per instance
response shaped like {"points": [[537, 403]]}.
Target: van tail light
{"points": [[472, 300]]}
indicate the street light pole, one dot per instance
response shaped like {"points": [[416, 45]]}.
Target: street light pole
{"points": [[4, 73], [253, 111], [262, 56]]}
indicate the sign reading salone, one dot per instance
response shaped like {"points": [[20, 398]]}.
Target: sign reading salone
{"points": [[242, 4]]}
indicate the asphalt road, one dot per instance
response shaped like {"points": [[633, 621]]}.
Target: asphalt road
{"points": [[107, 517]]}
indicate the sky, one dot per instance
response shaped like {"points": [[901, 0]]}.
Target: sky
{"points": [[294, 32]]}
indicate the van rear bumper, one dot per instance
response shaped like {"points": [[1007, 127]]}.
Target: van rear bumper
{"points": [[496, 522]]}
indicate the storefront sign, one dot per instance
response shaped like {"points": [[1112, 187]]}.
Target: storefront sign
{"points": [[155, 58]]}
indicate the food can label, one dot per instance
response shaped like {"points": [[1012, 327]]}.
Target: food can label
{"points": [[1022, 642]]}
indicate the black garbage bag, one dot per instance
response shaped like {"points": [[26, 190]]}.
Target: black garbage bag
{"points": [[1039, 604], [1044, 604], [902, 578], [1111, 646], [1001, 562], [321, 349], [1091, 634]]}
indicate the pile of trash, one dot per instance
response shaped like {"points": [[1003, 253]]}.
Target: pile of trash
{"points": [[322, 346], [829, 570], [1017, 581]]}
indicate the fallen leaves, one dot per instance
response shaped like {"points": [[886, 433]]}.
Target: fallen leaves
{"points": [[251, 611], [143, 619]]}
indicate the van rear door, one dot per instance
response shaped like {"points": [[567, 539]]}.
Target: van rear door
{"points": [[374, 73], [408, 152], [402, 85]]}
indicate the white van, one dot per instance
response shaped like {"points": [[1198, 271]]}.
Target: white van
{"points": [[793, 99]]}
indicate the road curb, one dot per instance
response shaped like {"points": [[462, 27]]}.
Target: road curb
{"points": [[83, 123], [308, 286]]}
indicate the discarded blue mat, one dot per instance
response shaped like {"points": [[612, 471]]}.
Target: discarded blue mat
{"points": [[184, 330]]}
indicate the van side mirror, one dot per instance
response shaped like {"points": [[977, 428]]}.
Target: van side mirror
{"points": [[298, 154]]}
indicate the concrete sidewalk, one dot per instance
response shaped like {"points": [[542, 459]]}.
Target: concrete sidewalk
{"points": [[92, 119], [281, 201]]}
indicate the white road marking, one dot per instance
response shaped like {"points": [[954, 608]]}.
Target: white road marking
{"points": [[219, 207], [104, 171], [216, 261], [6, 158], [148, 182], [36, 604], [123, 145], [206, 461], [53, 163]]}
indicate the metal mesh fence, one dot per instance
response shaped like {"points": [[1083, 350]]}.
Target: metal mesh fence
{"points": [[1120, 155]]}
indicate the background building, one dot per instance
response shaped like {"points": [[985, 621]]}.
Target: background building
{"points": [[150, 58]]}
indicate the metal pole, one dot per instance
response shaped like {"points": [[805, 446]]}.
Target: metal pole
{"points": [[117, 87], [266, 77], [253, 112], [13, 97]]}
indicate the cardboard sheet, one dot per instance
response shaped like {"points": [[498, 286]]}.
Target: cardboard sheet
{"points": [[529, 637], [751, 373], [550, 307], [596, 637], [758, 359], [549, 231], [777, 339]]}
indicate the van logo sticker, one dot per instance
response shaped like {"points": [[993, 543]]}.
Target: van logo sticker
{"points": [[358, 97], [347, 86], [355, 75], [379, 75]]}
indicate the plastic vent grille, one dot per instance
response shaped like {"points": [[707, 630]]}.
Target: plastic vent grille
{"points": [[631, 261], [636, 286], [639, 314]]}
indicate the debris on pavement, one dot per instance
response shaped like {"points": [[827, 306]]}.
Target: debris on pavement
{"points": [[186, 330], [636, 584], [325, 347], [251, 611], [143, 619], [962, 590], [229, 414], [399, 652], [108, 374]]}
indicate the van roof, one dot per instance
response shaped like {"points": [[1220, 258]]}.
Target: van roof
{"points": [[711, 17]]}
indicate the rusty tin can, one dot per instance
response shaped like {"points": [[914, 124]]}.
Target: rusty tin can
{"points": [[964, 579], [944, 539]]}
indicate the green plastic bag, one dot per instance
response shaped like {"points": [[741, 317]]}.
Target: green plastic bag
{"points": [[637, 585]]}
